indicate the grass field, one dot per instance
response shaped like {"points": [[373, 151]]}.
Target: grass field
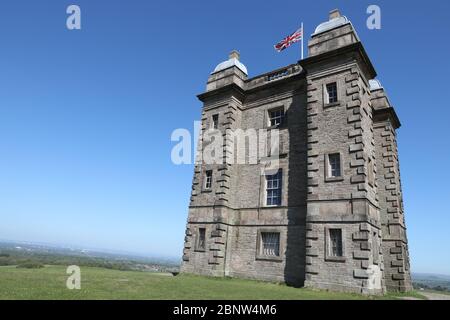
{"points": [[99, 283]]}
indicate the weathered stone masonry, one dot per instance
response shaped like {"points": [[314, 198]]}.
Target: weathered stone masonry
{"points": [[341, 231]]}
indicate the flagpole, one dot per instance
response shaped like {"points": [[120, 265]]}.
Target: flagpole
{"points": [[303, 34]]}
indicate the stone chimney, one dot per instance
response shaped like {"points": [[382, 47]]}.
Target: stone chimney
{"points": [[234, 55], [334, 14]]}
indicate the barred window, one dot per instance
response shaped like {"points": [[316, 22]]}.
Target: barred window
{"points": [[201, 243], [274, 189], [208, 179], [276, 117], [215, 121], [270, 244], [334, 165], [332, 92], [335, 248]]}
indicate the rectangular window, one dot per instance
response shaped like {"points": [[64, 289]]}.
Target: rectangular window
{"points": [[215, 121], [376, 249], [335, 247], [270, 244], [208, 179], [201, 242], [370, 173], [273, 189], [276, 117], [332, 93], [334, 165]]}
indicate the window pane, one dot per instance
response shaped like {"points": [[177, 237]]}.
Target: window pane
{"points": [[276, 117], [201, 238], [270, 243], [334, 163], [215, 121], [335, 243], [208, 179], [332, 92], [273, 189]]}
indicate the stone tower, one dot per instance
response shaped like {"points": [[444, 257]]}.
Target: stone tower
{"points": [[330, 216]]}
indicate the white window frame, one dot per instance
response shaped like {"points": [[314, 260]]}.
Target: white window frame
{"points": [[327, 93], [274, 183], [280, 118], [334, 165], [208, 180], [329, 255], [215, 124], [329, 175]]}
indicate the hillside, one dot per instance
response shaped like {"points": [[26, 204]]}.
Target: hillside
{"points": [[100, 283], [435, 282]]}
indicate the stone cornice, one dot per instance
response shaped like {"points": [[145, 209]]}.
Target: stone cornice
{"points": [[354, 47], [385, 114], [293, 72], [232, 88]]}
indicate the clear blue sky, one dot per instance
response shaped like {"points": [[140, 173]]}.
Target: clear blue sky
{"points": [[86, 116]]}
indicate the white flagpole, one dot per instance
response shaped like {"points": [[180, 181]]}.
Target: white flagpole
{"points": [[302, 41]]}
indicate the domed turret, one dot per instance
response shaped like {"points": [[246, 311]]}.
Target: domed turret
{"points": [[375, 84], [232, 61], [336, 20], [333, 34]]}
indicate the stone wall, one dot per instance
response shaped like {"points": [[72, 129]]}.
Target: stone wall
{"points": [[234, 211], [365, 203], [395, 247]]}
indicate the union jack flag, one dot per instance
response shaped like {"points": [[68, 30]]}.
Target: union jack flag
{"points": [[286, 42]]}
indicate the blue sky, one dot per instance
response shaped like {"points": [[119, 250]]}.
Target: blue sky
{"points": [[86, 116]]}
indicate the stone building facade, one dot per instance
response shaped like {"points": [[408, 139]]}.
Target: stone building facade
{"points": [[332, 216]]}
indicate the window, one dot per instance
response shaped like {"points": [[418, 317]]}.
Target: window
{"points": [[376, 249], [208, 179], [201, 242], [331, 93], [335, 244], [370, 173], [276, 117], [334, 165], [273, 189], [215, 121], [270, 244]]}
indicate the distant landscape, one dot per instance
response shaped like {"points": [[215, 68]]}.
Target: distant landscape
{"points": [[34, 256], [431, 281], [36, 271]]}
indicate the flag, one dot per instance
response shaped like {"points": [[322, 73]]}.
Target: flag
{"points": [[286, 42]]}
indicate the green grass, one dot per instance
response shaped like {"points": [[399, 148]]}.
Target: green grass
{"points": [[99, 283], [411, 294]]}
